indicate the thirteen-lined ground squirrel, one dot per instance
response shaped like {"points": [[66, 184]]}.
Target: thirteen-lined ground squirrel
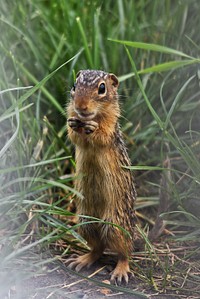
{"points": [[107, 188]]}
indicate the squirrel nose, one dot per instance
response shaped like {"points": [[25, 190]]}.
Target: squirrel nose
{"points": [[81, 108], [81, 105]]}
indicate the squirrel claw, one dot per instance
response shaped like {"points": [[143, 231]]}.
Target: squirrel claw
{"points": [[121, 273], [90, 126], [79, 262], [118, 278], [75, 123], [73, 263]]}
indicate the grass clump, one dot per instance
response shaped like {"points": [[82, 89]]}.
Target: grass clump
{"points": [[43, 44]]}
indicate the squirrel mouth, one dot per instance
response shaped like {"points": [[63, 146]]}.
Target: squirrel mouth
{"points": [[86, 116]]}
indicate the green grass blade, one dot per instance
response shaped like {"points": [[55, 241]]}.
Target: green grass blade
{"points": [[85, 42], [96, 38], [29, 42], [153, 112], [13, 113], [14, 89], [152, 47], [21, 250], [13, 137], [177, 98], [40, 85], [58, 52], [38, 164], [162, 67]]}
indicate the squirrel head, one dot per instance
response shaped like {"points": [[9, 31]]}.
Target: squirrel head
{"points": [[93, 93]]}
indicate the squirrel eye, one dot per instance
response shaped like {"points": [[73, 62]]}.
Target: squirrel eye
{"points": [[74, 86], [102, 88]]}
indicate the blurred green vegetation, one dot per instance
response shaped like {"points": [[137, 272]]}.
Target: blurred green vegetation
{"points": [[160, 111]]}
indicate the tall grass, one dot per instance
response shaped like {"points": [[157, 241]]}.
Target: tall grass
{"points": [[43, 44]]}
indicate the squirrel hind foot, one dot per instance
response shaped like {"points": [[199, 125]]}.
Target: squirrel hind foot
{"points": [[79, 262], [121, 272]]}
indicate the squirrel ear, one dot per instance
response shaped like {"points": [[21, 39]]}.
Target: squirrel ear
{"points": [[115, 81]]}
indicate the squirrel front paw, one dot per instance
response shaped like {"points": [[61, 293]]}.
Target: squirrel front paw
{"points": [[88, 126], [75, 124]]}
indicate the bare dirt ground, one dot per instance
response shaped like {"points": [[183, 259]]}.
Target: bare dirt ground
{"points": [[62, 285], [58, 282]]}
